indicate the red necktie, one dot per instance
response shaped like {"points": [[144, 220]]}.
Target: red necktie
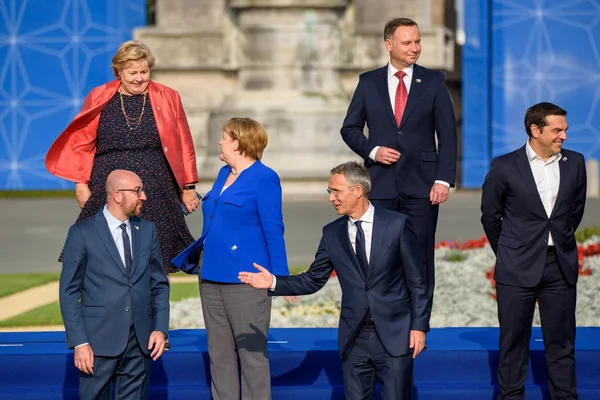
{"points": [[401, 97]]}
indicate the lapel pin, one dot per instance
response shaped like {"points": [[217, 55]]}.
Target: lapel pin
{"points": [[418, 80], [234, 247], [157, 107], [564, 158], [137, 228]]}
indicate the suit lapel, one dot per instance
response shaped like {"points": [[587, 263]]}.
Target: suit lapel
{"points": [[413, 95], [157, 108], [525, 170], [379, 226], [566, 172], [347, 246], [135, 239], [384, 93], [101, 226]]}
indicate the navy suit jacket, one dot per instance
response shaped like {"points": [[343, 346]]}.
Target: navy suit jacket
{"points": [[242, 225], [516, 223], [428, 111], [97, 300], [395, 290]]}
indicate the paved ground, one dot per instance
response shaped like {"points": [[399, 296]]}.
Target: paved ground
{"points": [[33, 231]]}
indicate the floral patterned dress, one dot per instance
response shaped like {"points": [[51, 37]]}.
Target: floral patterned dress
{"points": [[118, 146]]}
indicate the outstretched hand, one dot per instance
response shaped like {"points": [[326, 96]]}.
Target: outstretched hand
{"points": [[259, 280]]}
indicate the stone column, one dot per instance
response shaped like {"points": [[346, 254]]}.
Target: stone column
{"points": [[288, 56], [192, 43]]}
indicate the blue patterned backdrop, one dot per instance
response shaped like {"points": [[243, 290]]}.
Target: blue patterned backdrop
{"points": [[518, 53], [52, 52]]}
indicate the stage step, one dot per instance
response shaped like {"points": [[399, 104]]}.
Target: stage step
{"points": [[460, 363]]}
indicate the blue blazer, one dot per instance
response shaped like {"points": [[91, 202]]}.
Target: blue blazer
{"points": [[395, 290], [97, 301], [243, 225], [516, 223], [428, 112]]}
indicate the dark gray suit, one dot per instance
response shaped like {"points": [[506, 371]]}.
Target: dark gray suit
{"points": [[113, 310], [395, 291]]}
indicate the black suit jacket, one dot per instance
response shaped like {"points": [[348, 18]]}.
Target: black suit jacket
{"points": [[516, 223], [395, 290], [428, 111]]}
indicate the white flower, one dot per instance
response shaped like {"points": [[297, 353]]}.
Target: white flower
{"points": [[463, 297]]}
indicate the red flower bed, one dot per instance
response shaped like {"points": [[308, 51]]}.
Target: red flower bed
{"points": [[582, 252]]}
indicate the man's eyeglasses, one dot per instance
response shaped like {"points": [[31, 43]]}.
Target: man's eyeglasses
{"points": [[137, 191], [336, 192]]}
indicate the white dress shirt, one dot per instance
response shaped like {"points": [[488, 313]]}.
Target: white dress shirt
{"points": [[117, 233], [392, 82], [547, 180], [367, 226]]}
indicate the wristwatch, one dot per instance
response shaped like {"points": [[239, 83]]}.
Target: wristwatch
{"points": [[167, 343], [189, 187]]}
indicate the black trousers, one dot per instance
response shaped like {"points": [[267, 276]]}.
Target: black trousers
{"points": [[516, 306], [130, 371], [423, 217], [368, 361]]}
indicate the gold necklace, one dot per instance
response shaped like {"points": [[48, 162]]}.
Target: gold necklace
{"points": [[129, 120]]}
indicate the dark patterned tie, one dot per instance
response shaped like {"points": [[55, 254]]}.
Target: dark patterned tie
{"points": [[401, 97], [126, 248], [361, 249], [361, 255]]}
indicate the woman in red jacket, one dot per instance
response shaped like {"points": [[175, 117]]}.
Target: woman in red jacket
{"points": [[139, 125]]}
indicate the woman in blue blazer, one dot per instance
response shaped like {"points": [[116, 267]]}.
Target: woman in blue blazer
{"points": [[243, 224]]}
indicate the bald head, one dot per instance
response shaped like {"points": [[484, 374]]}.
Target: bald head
{"points": [[120, 179]]}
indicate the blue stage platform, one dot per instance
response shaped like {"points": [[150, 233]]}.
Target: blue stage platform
{"points": [[460, 363]]}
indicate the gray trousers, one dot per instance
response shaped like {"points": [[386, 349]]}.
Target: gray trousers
{"points": [[237, 319]]}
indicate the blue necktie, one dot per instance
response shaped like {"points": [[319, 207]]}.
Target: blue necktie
{"points": [[126, 248]]}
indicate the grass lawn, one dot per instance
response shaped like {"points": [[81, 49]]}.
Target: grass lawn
{"points": [[13, 283], [50, 313]]}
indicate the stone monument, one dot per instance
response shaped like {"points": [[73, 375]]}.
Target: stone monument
{"points": [[290, 64]]}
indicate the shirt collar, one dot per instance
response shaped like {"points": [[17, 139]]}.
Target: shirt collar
{"points": [[113, 223], [532, 155], [367, 216], [392, 71]]}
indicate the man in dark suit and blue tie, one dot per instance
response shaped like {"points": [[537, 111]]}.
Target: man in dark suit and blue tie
{"points": [[532, 203], [405, 107], [114, 294], [385, 305]]}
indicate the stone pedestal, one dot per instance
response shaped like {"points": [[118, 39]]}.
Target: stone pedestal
{"points": [[288, 80], [290, 64]]}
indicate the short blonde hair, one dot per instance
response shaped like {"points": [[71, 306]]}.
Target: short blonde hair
{"points": [[132, 50], [250, 134]]}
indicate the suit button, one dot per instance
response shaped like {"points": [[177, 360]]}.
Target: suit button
{"points": [[366, 288], [166, 149], [130, 286], [546, 241], [400, 133], [210, 216], [127, 309]]}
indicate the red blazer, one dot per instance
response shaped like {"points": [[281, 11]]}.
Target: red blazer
{"points": [[71, 156]]}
